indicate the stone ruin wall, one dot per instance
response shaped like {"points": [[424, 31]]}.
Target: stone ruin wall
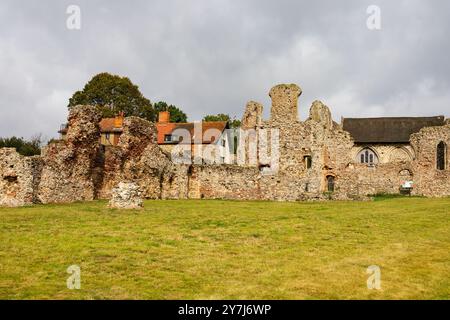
{"points": [[333, 153], [67, 174], [319, 137], [428, 180], [79, 168], [138, 158], [19, 178]]}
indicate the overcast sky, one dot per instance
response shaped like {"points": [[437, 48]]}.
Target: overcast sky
{"points": [[212, 56]]}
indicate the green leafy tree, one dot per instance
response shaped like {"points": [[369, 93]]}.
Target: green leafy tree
{"points": [[234, 123], [176, 115], [23, 147], [112, 94]]}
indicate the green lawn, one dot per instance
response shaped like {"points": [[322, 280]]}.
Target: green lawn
{"points": [[228, 250]]}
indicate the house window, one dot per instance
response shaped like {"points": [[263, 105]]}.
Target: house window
{"points": [[307, 187], [440, 156], [167, 138], [223, 142], [308, 162], [330, 183], [222, 159], [107, 135], [367, 156]]}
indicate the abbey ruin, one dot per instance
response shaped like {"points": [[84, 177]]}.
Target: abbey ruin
{"points": [[318, 159]]}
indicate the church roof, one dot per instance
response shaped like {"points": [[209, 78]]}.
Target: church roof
{"points": [[387, 130]]}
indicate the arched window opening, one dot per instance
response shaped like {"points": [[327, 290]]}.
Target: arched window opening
{"points": [[330, 183], [367, 156], [440, 156]]}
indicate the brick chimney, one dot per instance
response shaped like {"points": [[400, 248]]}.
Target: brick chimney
{"points": [[164, 116], [118, 120]]}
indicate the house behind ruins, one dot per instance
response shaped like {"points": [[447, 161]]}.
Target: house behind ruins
{"points": [[170, 134], [292, 160]]}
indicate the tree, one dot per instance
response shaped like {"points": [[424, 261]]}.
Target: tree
{"points": [[23, 147], [112, 94], [176, 115], [234, 123]]}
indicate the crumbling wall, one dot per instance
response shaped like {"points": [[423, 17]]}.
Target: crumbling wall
{"points": [[138, 158], [224, 182], [430, 181], [284, 103], [318, 141], [318, 138], [252, 117], [68, 174], [358, 180], [19, 177], [306, 154]]}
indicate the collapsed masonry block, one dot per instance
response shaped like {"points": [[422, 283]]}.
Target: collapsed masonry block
{"points": [[126, 195]]}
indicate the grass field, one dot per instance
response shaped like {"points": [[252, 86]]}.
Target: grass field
{"points": [[228, 250]]}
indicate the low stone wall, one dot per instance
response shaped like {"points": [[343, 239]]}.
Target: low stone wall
{"points": [[224, 182], [359, 180]]}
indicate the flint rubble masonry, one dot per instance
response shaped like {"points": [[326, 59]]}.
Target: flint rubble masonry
{"points": [[126, 196], [314, 155]]}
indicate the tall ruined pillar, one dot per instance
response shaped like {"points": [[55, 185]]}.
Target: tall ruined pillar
{"points": [[252, 117], [284, 103], [67, 174]]}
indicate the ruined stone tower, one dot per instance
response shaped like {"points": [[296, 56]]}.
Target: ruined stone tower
{"points": [[284, 103]]}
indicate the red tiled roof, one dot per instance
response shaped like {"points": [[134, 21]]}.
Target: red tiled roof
{"points": [[211, 131], [107, 125]]}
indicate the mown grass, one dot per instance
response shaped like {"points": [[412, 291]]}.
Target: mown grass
{"points": [[228, 250]]}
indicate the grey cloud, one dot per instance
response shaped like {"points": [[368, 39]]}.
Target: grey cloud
{"points": [[213, 56]]}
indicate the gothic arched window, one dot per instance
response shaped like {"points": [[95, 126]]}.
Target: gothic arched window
{"points": [[367, 156], [440, 156]]}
